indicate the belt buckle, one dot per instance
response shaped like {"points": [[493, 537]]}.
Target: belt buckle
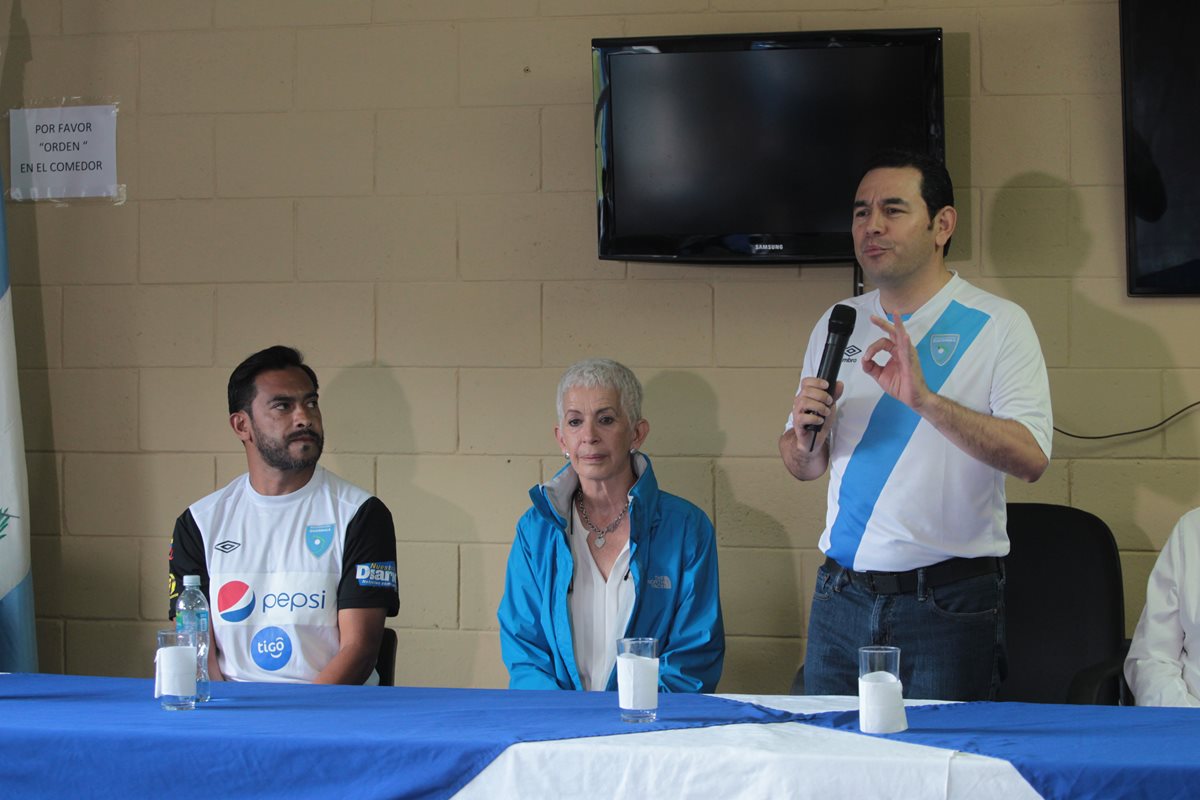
{"points": [[882, 582], [870, 576], [885, 583]]}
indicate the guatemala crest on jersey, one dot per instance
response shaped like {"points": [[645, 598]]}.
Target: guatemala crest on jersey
{"points": [[318, 538], [942, 347]]}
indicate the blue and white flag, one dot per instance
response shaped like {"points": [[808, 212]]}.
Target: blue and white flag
{"points": [[18, 637]]}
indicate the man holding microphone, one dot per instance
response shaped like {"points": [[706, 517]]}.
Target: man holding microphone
{"points": [[943, 393]]}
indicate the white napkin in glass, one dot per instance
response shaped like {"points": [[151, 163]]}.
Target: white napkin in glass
{"points": [[881, 704], [175, 671]]}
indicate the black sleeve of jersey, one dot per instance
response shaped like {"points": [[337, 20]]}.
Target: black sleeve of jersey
{"points": [[369, 560], [186, 558]]}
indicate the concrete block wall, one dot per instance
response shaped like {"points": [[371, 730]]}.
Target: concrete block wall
{"points": [[403, 189]]}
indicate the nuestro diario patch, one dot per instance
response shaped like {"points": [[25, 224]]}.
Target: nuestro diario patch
{"points": [[379, 574]]}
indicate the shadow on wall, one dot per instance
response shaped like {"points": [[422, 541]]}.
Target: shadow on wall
{"points": [[746, 536], [773, 606], [368, 415], [1037, 230]]}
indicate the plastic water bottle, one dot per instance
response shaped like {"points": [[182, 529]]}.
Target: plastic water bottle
{"points": [[191, 614]]}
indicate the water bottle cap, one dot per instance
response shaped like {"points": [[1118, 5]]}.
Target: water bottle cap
{"points": [[191, 580]]}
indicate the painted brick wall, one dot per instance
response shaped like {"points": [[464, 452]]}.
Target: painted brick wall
{"points": [[403, 189]]}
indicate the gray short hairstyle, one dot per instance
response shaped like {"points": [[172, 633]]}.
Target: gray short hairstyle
{"points": [[607, 374]]}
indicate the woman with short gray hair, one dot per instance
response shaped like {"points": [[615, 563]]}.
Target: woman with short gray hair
{"points": [[604, 554]]}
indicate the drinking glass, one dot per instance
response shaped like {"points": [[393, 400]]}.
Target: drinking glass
{"points": [[880, 693], [175, 670], [637, 679]]}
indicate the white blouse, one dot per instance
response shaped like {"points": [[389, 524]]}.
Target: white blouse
{"points": [[600, 609], [1163, 667]]}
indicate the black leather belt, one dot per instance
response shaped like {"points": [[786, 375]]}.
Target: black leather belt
{"points": [[949, 571]]}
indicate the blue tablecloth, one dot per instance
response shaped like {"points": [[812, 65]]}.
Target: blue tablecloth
{"points": [[63, 736], [1065, 751]]}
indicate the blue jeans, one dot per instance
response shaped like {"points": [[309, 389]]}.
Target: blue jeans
{"points": [[951, 637]]}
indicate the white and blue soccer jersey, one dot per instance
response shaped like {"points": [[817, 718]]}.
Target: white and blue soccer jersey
{"points": [[276, 570], [901, 495]]}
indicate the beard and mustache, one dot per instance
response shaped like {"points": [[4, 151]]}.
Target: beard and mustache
{"points": [[277, 452]]}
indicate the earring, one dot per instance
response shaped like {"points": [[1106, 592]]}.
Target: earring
{"points": [[566, 455]]}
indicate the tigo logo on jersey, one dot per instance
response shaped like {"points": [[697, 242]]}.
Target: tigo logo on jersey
{"points": [[271, 648], [235, 601], [381, 574], [318, 538]]}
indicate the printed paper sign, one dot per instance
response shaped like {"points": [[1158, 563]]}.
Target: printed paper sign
{"points": [[61, 152]]}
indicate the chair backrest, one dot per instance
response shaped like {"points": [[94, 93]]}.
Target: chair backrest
{"points": [[1064, 601], [385, 665]]}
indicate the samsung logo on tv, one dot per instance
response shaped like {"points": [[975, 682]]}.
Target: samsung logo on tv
{"points": [[763, 248]]}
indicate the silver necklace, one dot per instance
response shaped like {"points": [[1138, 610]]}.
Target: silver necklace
{"points": [[600, 533]]}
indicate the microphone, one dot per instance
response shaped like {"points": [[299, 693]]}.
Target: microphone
{"points": [[841, 325]]}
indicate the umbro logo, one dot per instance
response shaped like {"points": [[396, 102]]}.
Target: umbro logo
{"points": [[852, 352], [227, 546]]}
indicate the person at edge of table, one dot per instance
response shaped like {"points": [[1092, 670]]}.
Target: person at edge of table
{"points": [[917, 438], [298, 565], [605, 554], [1163, 665]]}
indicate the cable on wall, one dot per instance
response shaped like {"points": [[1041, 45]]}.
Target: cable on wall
{"points": [[1188, 407]]}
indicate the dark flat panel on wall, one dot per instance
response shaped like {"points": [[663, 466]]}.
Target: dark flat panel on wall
{"points": [[1160, 66]]}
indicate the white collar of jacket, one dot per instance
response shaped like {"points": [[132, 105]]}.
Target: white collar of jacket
{"points": [[553, 498]]}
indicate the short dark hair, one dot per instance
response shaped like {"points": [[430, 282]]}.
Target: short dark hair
{"points": [[241, 381], [937, 190]]}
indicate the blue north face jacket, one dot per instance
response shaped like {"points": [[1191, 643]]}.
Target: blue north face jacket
{"points": [[673, 564]]}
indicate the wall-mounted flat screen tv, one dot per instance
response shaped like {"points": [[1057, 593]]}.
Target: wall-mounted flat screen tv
{"points": [[747, 148], [1160, 75]]}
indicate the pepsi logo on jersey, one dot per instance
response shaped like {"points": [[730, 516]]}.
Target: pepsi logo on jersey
{"points": [[236, 601]]}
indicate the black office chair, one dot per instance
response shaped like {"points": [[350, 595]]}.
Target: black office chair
{"points": [[798, 682], [385, 665], [1065, 608]]}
